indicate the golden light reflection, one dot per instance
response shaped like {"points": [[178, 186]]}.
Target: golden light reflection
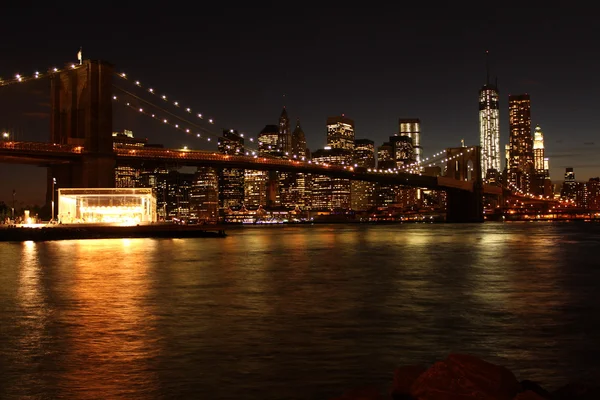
{"points": [[489, 274], [108, 290], [504, 285], [31, 301]]}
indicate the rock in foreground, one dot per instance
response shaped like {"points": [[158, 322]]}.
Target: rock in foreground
{"points": [[466, 377]]}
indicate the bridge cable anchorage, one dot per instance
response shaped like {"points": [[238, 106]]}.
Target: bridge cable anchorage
{"points": [[20, 78]]}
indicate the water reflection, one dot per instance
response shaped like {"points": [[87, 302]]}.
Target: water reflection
{"points": [[294, 312], [109, 327]]}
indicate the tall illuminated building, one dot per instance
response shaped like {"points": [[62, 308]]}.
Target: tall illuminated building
{"points": [[541, 175], [411, 127], [571, 189], [403, 151], [362, 193], [298, 141], [268, 140], [489, 129], [538, 150], [285, 133], [520, 164], [231, 180], [340, 133], [284, 179], [255, 188], [127, 176], [334, 193], [204, 195], [385, 193], [300, 186]]}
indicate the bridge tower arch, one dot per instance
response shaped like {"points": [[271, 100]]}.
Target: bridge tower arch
{"points": [[81, 115], [464, 164]]}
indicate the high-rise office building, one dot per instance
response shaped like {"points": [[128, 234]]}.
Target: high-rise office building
{"points": [[520, 165], [268, 144], [570, 188], [411, 127], [364, 153], [300, 184], [231, 180], [489, 129], [402, 151], [541, 175], [538, 149], [362, 193], [127, 176], [204, 195], [331, 193], [298, 141], [385, 193], [285, 179], [285, 133], [340, 133], [268, 140], [255, 188]]}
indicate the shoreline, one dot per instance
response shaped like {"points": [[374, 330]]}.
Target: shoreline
{"points": [[78, 231]]}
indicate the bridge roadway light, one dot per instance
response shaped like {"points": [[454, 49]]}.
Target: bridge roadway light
{"points": [[5, 135]]}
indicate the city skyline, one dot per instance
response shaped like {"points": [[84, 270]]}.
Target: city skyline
{"points": [[358, 73]]}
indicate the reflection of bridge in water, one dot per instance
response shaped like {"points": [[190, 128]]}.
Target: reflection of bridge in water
{"points": [[81, 152]]}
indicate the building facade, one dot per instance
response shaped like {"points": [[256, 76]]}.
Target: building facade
{"points": [[411, 127], [489, 131], [520, 164], [340, 133]]}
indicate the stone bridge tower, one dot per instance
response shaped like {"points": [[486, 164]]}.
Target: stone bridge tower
{"points": [[464, 164], [81, 115]]}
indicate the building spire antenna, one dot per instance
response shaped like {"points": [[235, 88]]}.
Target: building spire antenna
{"points": [[487, 67]]}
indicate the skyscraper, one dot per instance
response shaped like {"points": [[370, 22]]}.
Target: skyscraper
{"points": [[231, 180], [298, 141], [520, 167], [268, 139], [542, 184], [362, 194], [411, 127], [340, 133], [489, 129], [300, 183], [538, 150], [285, 133]]}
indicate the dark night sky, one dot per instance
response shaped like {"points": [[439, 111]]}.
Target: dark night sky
{"points": [[373, 64]]}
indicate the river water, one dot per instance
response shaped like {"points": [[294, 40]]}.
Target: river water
{"points": [[295, 312]]}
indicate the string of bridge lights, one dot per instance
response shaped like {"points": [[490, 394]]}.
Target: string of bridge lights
{"points": [[165, 121], [164, 111], [20, 78], [518, 190], [163, 97], [417, 166]]}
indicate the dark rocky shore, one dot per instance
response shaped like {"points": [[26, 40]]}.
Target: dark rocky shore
{"points": [[465, 377]]}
